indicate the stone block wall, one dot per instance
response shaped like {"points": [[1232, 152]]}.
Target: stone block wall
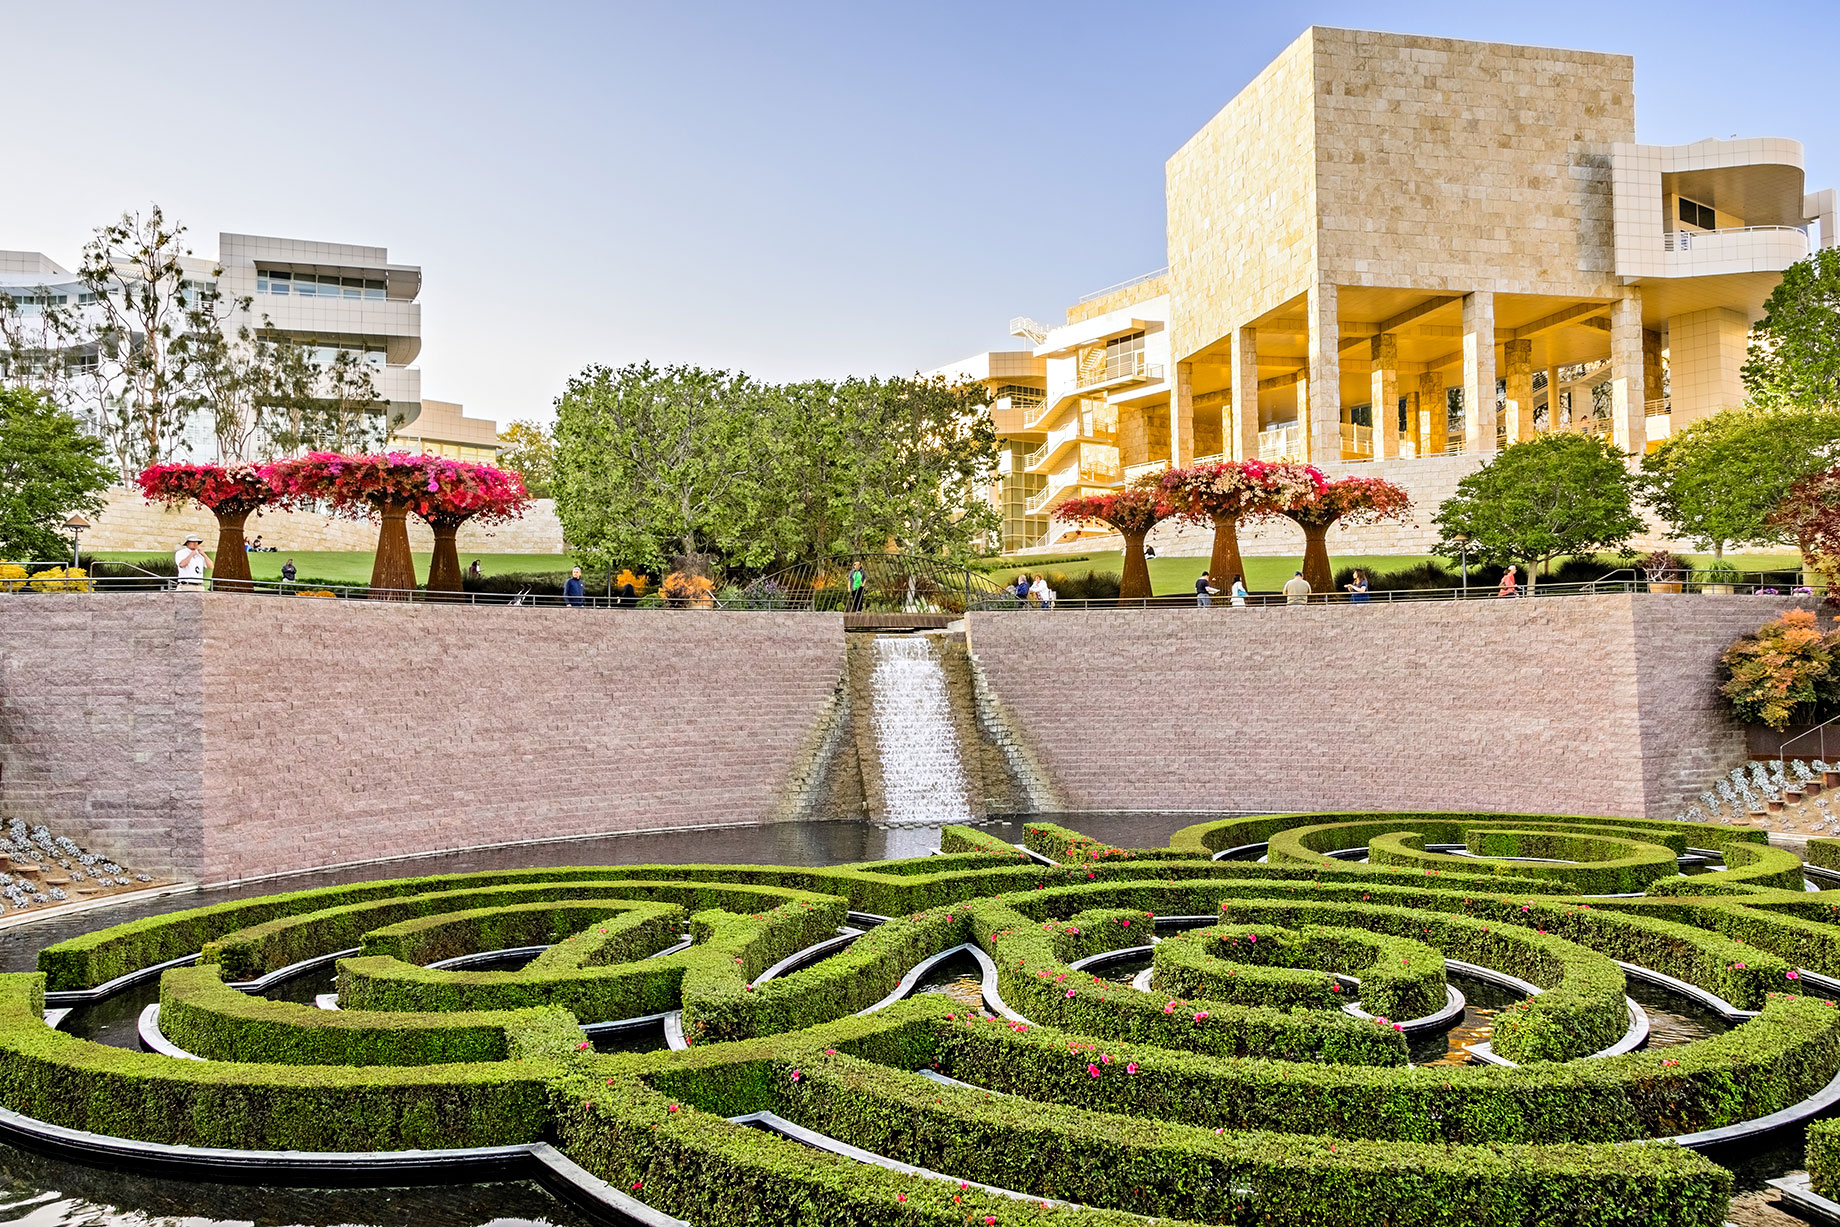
{"points": [[224, 737], [1590, 705], [129, 522]]}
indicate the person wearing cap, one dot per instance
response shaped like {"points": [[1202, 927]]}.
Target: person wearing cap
{"points": [[192, 562]]}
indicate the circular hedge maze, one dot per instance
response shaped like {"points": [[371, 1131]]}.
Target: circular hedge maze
{"points": [[1230, 1030]]}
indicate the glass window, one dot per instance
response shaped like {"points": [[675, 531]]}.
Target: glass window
{"points": [[1692, 213], [1124, 355]]}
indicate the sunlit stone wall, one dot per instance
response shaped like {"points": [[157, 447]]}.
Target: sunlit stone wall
{"points": [[226, 737], [1588, 705]]}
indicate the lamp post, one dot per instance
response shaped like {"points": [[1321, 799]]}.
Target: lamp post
{"points": [[1464, 547], [74, 526]]}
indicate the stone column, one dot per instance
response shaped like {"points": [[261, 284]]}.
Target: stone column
{"points": [[1653, 379], [1414, 435], [1243, 436], [1182, 414], [1306, 419], [1383, 355], [1706, 351], [1553, 408], [1479, 371], [1517, 357], [1325, 375], [1628, 431], [1434, 414]]}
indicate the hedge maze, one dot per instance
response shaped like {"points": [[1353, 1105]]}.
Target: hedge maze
{"points": [[1256, 1070]]}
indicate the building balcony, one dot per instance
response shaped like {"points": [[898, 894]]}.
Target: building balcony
{"points": [[1738, 249], [1286, 442], [1118, 375], [1011, 414], [1357, 442], [1085, 429]]}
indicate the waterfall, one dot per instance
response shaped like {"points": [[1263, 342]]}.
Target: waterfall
{"points": [[923, 777]]}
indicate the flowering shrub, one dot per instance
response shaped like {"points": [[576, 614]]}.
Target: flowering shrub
{"points": [[684, 590], [1783, 672], [11, 577], [638, 582], [62, 579], [432, 487], [1133, 512]]}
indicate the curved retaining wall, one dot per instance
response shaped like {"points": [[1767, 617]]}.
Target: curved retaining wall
{"points": [[1587, 705], [224, 737]]}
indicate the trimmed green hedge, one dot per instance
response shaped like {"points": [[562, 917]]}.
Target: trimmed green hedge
{"points": [[1401, 979], [208, 1018], [623, 930], [63, 1080], [1822, 1155]]}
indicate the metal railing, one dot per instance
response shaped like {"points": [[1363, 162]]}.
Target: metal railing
{"points": [[1134, 367], [1683, 240], [977, 590], [1124, 285]]}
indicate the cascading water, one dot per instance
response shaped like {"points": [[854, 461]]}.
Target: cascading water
{"points": [[923, 775]]}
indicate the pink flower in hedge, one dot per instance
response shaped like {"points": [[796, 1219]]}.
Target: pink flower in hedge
{"points": [[1070, 992], [1335, 988], [1170, 1008], [1125, 923], [672, 1108], [1737, 967], [1131, 1068], [797, 1074], [1092, 1070], [1670, 1062], [900, 1197], [1399, 1026], [1791, 975], [637, 1185], [1252, 937], [1200, 1014], [582, 1045]]}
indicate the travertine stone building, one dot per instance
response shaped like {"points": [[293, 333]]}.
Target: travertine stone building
{"points": [[1392, 247]]}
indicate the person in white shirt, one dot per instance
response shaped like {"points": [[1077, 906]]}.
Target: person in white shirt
{"points": [[1041, 592], [192, 562]]}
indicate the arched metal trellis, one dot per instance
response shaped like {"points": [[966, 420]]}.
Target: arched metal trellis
{"points": [[891, 584]]}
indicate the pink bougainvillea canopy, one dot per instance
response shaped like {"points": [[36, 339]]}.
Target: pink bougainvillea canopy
{"points": [[225, 490], [433, 487]]}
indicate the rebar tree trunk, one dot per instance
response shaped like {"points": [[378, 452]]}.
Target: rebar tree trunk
{"points": [[393, 572], [1136, 582], [230, 568], [444, 565], [1225, 563], [1316, 570]]}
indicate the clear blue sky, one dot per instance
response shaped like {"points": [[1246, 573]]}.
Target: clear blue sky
{"points": [[788, 188]]}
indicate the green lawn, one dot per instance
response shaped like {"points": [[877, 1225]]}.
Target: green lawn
{"points": [[354, 566], [1267, 574]]}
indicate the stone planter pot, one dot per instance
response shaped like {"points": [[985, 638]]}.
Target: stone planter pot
{"points": [[1830, 779], [1792, 796], [1813, 788], [1774, 807], [1716, 589], [1664, 586]]}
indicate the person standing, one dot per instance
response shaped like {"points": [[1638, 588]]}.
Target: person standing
{"points": [[1297, 589], [574, 591], [1239, 592], [1509, 587], [473, 572], [856, 588], [1357, 588], [1205, 591], [288, 572], [192, 562]]}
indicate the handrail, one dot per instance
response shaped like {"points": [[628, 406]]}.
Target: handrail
{"points": [[1782, 750], [1126, 284], [1683, 240]]}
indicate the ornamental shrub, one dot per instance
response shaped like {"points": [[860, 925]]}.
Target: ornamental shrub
{"points": [[1782, 674]]}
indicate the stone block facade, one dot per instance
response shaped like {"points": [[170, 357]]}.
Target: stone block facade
{"points": [[224, 737], [1591, 705], [129, 522]]}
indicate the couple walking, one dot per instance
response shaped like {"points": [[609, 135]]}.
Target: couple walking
{"points": [[1205, 592]]}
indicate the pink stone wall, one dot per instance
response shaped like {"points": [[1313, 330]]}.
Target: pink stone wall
{"points": [[227, 737], [1591, 705]]}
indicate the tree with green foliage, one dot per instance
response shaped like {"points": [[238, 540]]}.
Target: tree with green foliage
{"points": [[1718, 481], [648, 460], [1794, 357], [49, 467], [1536, 501], [528, 449], [654, 462]]}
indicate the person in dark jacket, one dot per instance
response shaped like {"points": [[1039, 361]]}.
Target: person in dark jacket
{"points": [[573, 590]]}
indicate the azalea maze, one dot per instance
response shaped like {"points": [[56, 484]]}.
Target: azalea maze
{"points": [[1186, 1035]]}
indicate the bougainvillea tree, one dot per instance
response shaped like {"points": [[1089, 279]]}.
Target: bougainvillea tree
{"points": [[454, 493], [230, 493], [1317, 504], [385, 487], [1132, 512], [1227, 494], [1811, 511]]}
